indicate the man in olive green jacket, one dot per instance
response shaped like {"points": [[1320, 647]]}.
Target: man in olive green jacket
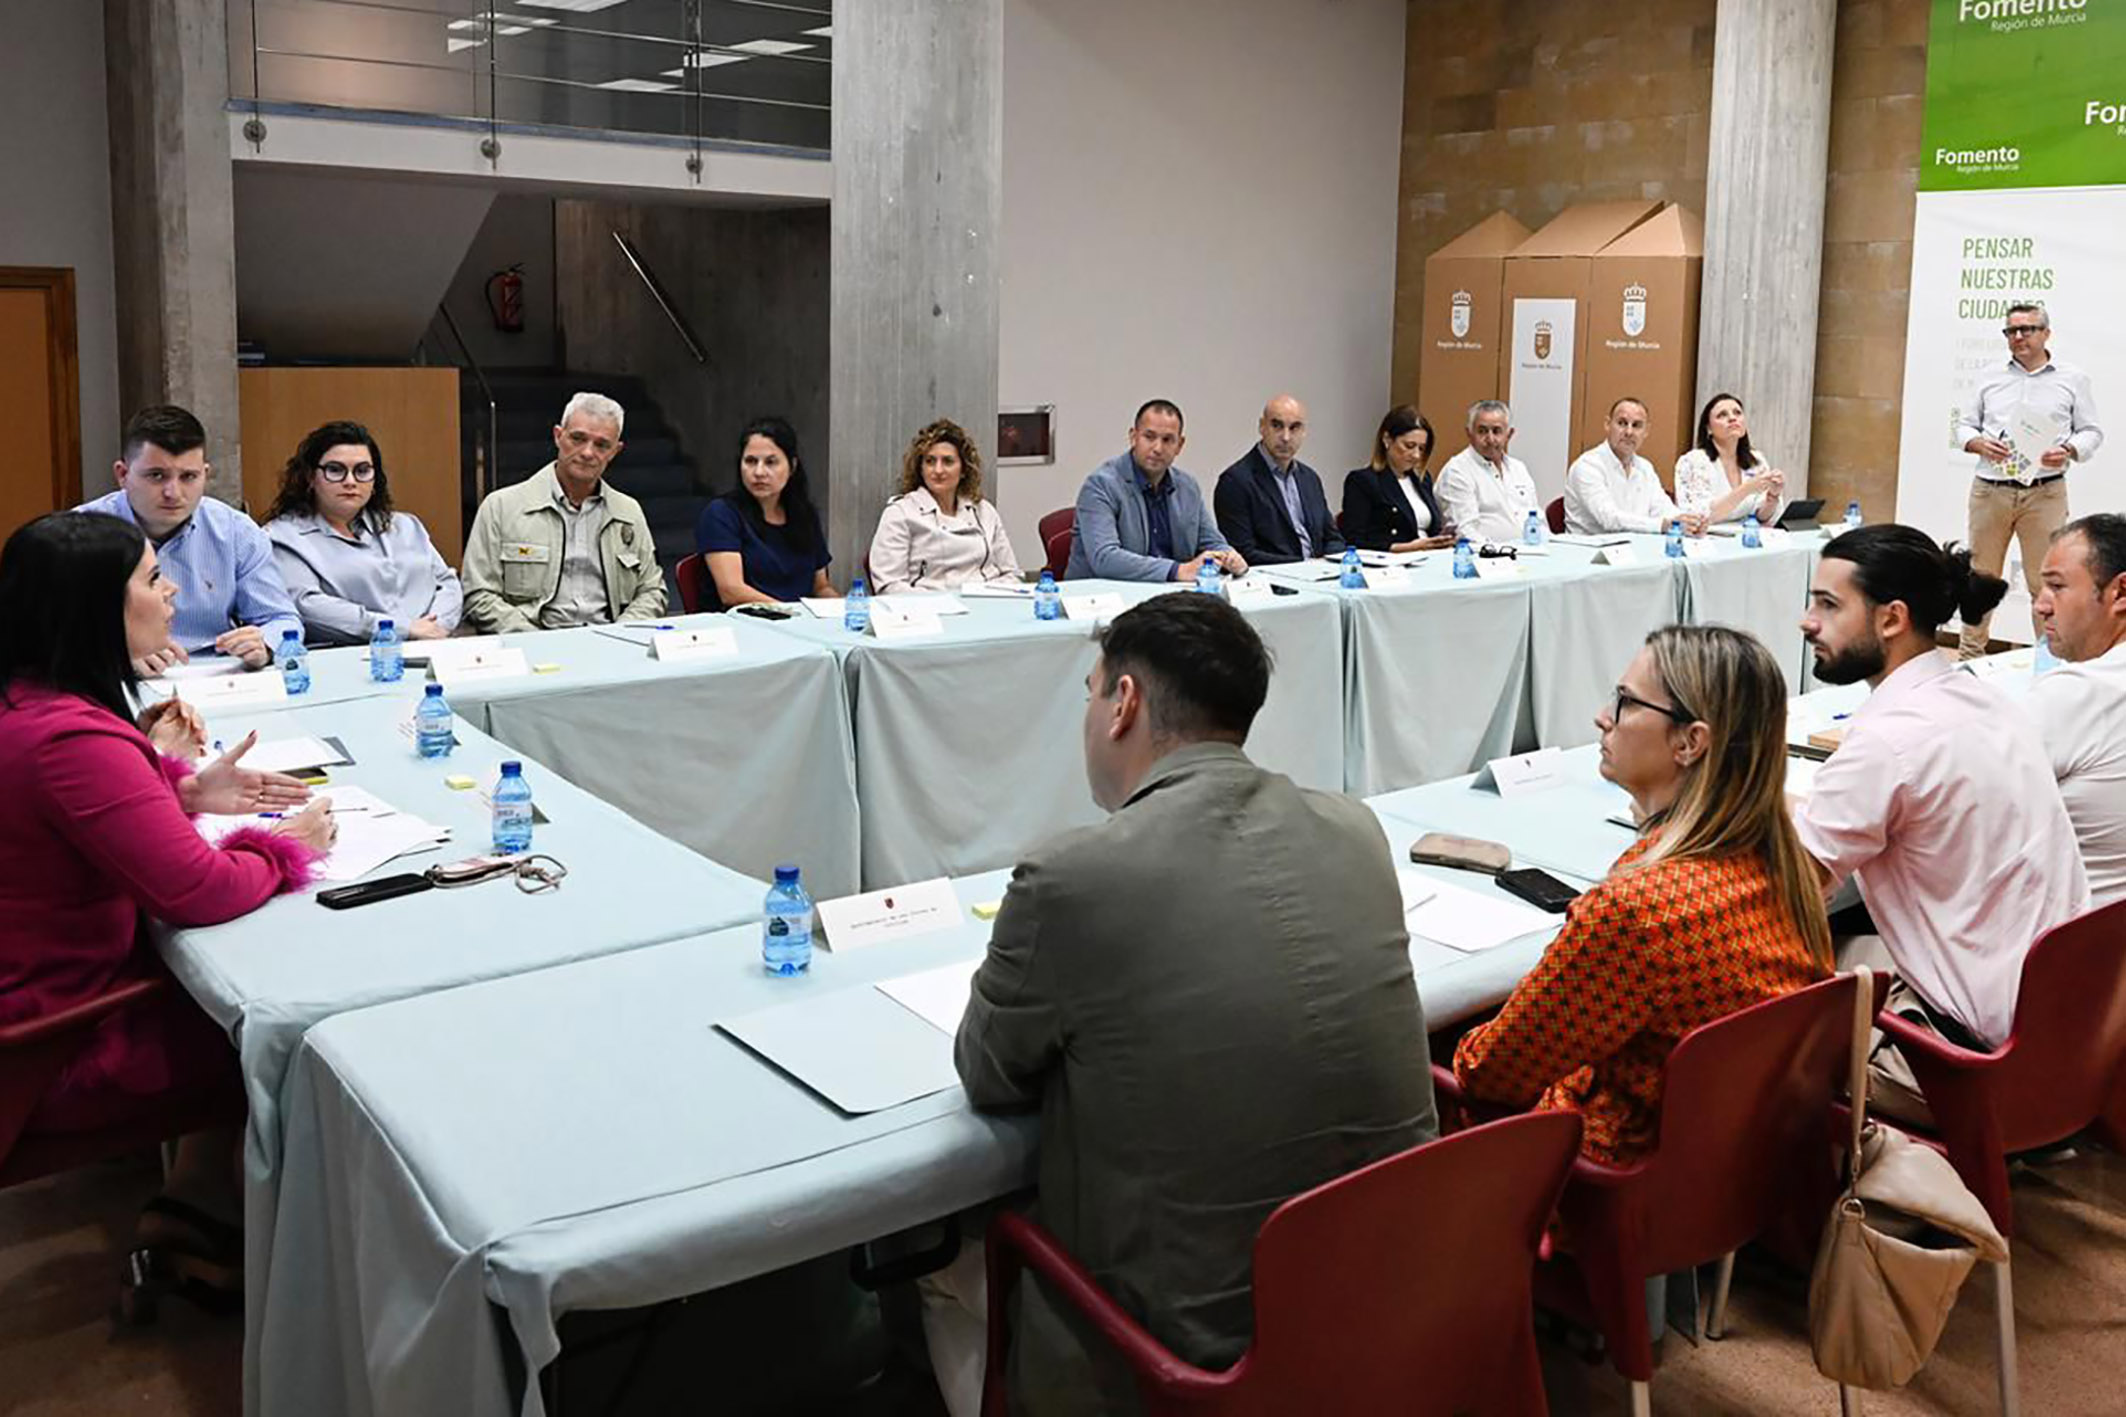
{"points": [[561, 548]]}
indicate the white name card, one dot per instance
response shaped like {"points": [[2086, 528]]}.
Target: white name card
{"points": [[712, 642], [1497, 568], [890, 625], [896, 913], [1624, 555], [481, 665], [1387, 577], [264, 686], [1248, 589], [1104, 606], [1525, 772]]}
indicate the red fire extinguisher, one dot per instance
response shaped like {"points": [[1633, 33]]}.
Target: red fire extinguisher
{"points": [[505, 299]]}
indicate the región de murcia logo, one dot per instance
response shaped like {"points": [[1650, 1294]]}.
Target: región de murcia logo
{"points": [[1634, 310]]}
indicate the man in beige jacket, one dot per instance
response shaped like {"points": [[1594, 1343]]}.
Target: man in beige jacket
{"points": [[561, 548]]}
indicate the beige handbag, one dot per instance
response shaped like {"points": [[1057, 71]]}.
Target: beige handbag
{"points": [[1901, 1241]]}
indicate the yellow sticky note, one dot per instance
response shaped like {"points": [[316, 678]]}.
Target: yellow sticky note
{"points": [[988, 909], [458, 782], [546, 669]]}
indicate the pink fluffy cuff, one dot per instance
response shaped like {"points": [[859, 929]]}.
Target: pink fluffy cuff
{"points": [[297, 862]]}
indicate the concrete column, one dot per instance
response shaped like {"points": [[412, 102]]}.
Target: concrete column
{"points": [[1764, 194], [915, 259], [173, 234]]}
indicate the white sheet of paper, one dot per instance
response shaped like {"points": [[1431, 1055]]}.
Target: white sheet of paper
{"points": [[636, 632], [921, 602], [997, 590], [854, 922], [1393, 558], [1416, 889], [709, 642], [1801, 777], [824, 608], [289, 754], [371, 832], [2034, 432], [475, 668], [1523, 772], [1105, 605], [936, 996], [1593, 538], [1304, 572], [213, 667], [1469, 920]]}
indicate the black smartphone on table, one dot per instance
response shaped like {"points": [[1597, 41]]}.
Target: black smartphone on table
{"points": [[1540, 889]]}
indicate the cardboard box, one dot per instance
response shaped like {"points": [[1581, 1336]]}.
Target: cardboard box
{"points": [[1642, 333], [1459, 359], [1543, 350]]}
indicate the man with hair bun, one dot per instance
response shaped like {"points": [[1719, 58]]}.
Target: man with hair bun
{"points": [[1940, 799]]}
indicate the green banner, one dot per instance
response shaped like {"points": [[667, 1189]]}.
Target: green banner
{"points": [[2025, 93]]}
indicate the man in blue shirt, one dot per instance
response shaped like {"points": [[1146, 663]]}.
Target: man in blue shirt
{"points": [[1140, 518], [230, 597]]}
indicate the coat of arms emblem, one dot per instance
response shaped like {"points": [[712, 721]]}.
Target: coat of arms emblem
{"points": [[1542, 339], [1458, 320], [1634, 310]]}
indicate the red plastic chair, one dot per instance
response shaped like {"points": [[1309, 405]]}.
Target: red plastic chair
{"points": [[1402, 1287], [1058, 527], [696, 591], [1555, 515], [1743, 1138], [32, 1054], [2062, 1068]]}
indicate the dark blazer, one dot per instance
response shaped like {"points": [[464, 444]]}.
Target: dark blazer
{"points": [[1209, 997], [1377, 514], [1252, 515]]}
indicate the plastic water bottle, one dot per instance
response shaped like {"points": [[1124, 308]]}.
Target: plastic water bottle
{"points": [[1532, 530], [294, 661], [1753, 531], [1047, 600], [432, 735], [1207, 578], [1354, 576], [786, 925], [2044, 660], [1464, 560], [387, 659], [1852, 515], [513, 811], [1675, 537], [856, 610]]}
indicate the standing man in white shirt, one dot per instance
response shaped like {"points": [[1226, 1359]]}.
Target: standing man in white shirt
{"points": [[1611, 488], [2080, 706], [1483, 493], [1939, 799], [2011, 495]]}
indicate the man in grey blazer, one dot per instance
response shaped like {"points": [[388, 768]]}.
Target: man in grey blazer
{"points": [[1208, 996], [1140, 518]]}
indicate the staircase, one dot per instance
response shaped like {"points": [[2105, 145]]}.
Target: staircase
{"points": [[652, 468]]}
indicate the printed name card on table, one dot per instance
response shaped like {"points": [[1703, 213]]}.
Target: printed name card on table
{"points": [[458, 669], [1247, 590], [228, 691], [896, 913], [1497, 568], [1387, 577], [710, 642], [889, 624], [1623, 554], [1524, 772], [1104, 606]]}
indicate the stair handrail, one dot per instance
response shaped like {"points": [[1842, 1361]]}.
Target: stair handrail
{"points": [[483, 456], [664, 301]]}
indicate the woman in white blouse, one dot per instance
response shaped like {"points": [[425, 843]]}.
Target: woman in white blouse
{"points": [[939, 534], [1722, 478]]}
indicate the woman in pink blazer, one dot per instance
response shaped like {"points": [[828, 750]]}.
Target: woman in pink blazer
{"points": [[96, 837]]}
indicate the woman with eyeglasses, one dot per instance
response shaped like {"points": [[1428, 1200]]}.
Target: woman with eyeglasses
{"points": [[1715, 907], [349, 559]]}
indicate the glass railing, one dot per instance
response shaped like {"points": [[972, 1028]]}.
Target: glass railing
{"points": [[755, 72]]}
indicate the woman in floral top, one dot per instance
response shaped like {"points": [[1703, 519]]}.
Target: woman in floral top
{"points": [[1713, 909]]}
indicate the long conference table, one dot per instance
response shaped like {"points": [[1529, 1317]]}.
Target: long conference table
{"points": [[873, 761]]}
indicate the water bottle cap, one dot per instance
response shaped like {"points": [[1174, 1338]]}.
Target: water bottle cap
{"points": [[384, 624], [435, 691], [856, 587], [512, 768], [786, 875], [287, 635]]}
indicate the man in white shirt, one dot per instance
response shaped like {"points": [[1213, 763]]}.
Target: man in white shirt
{"points": [[1484, 494], [2080, 707], [1611, 488], [2011, 495], [1939, 799]]}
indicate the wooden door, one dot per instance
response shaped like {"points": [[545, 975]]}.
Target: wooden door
{"points": [[40, 371]]}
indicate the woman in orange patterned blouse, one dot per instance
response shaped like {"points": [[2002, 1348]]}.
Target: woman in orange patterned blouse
{"points": [[1714, 908]]}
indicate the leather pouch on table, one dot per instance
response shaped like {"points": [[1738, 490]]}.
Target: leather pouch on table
{"points": [[1463, 853]]}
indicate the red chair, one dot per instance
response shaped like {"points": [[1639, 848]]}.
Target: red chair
{"points": [[1743, 1138], [696, 591], [2062, 1068], [1057, 527], [1555, 515], [1402, 1287]]}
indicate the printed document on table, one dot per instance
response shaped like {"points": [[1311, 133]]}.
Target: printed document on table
{"points": [[290, 754], [1469, 920], [371, 832], [937, 996]]}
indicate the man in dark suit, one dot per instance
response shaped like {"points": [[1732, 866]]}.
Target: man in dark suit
{"points": [[1209, 998], [1270, 504]]}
